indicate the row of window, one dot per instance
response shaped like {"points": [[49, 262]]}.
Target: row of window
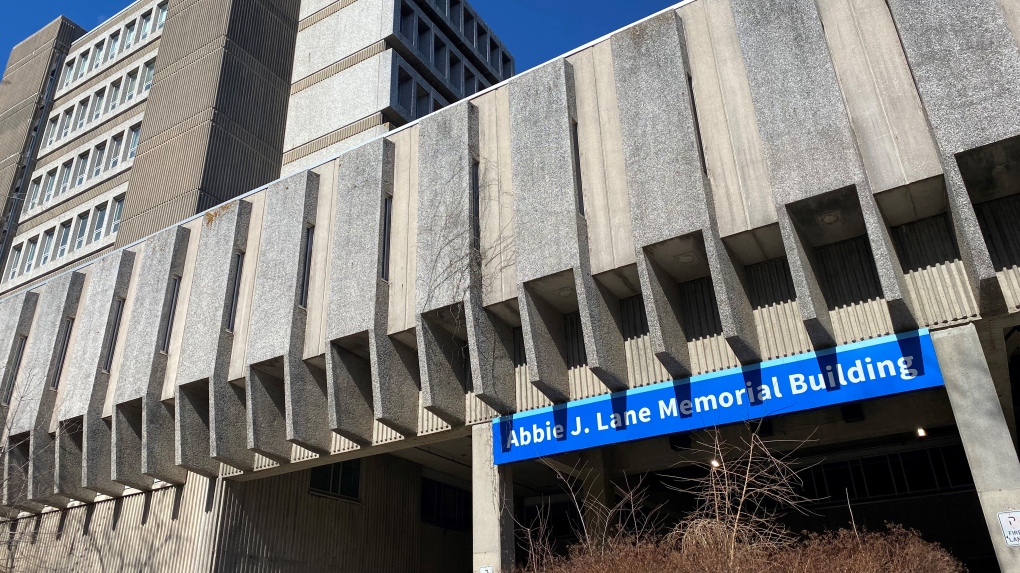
{"points": [[121, 41], [432, 47], [68, 237], [414, 96], [104, 100], [120, 148]]}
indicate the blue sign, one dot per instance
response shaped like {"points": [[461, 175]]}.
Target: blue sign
{"points": [[880, 367]]}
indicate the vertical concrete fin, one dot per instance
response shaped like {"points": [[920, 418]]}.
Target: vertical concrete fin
{"points": [[442, 359], [277, 324], [207, 406], [143, 365], [491, 348], [542, 329]]}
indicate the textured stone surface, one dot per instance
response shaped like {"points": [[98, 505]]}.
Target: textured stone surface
{"points": [[446, 255], [966, 66], [16, 314], [209, 412], [359, 303], [341, 34], [670, 194], [58, 301], [448, 260], [143, 364], [84, 391], [545, 189], [143, 367], [277, 327], [808, 141]]}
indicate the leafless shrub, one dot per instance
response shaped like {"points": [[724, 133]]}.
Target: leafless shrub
{"points": [[735, 527]]}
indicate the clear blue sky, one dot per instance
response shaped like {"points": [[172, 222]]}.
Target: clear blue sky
{"points": [[534, 30]]}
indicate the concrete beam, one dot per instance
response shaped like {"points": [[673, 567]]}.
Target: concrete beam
{"points": [[986, 439], [492, 506]]}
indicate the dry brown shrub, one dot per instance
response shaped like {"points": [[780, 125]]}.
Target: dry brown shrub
{"points": [[897, 550], [736, 527]]}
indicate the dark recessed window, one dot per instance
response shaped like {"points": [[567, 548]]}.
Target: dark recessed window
{"points": [[341, 480], [445, 505]]}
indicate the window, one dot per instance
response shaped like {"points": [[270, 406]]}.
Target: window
{"points": [[146, 25], [65, 124], [83, 64], [445, 505], [576, 152], [470, 86], [160, 16], [65, 340], [68, 72], [469, 27], [115, 146], [79, 118], [114, 95], [147, 72], [82, 229], [405, 90], [62, 238], [406, 20], [65, 177], [456, 73], [51, 131], [386, 224], [51, 179], [81, 169], [97, 159], [114, 332], [30, 255], [175, 288], [114, 44], [130, 85], [97, 104], [47, 247], [118, 210], [133, 135], [476, 200], [15, 259], [13, 372], [235, 291], [424, 39], [342, 479], [129, 36], [421, 101], [439, 56], [33, 195], [99, 223], [97, 55], [306, 267]]}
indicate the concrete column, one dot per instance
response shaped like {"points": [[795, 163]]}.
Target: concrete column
{"points": [[986, 438], [492, 506], [597, 493]]}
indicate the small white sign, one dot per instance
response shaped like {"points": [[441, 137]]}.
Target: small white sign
{"points": [[485, 569], [1010, 522]]}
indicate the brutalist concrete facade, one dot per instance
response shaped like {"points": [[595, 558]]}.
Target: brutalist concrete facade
{"points": [[724, 183]]}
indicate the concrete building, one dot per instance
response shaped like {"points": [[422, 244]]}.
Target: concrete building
{"points": [[323, 372], [83, 105]]}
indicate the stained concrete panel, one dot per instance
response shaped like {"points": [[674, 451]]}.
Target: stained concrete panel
{"points": [[85, 388], [447, 256], [35, 391], [808, 140], [208, 406], [544, 182], [670, 194], [277, 325], [359, 304], [142, 370]]}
